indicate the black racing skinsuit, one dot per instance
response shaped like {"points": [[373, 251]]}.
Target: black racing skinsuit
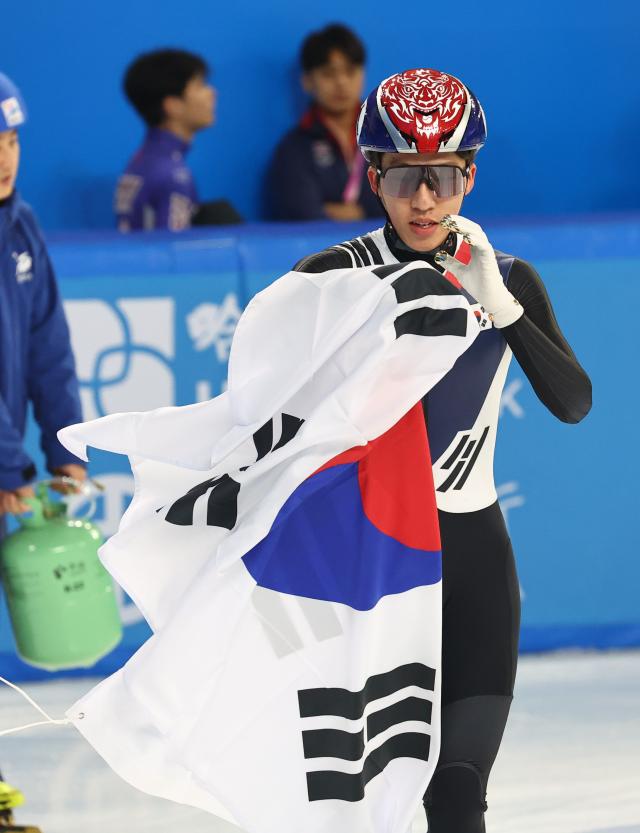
{"points": [[481, 598]]}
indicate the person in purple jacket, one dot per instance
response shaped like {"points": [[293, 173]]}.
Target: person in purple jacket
{"points": [[169, 90]]}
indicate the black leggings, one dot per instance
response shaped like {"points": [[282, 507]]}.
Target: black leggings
{"points": [[480, 627]]}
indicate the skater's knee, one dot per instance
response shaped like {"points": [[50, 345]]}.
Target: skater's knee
{"points": [[455, 801]]}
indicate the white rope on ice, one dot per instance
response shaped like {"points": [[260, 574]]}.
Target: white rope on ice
{"points": [[50, 721]]}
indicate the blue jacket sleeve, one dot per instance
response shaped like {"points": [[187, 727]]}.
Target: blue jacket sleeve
{"points": [[17, 469], [52, 382], [294, 191]]}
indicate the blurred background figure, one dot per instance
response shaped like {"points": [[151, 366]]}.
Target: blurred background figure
{"points": [[170, 92], [317, 171], [36, 362]]}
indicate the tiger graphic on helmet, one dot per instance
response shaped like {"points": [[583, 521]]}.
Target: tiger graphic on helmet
{"points": [[424, 106], [421, 111]]}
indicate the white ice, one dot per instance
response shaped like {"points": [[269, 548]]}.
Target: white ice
{"points": [[569, 763]]}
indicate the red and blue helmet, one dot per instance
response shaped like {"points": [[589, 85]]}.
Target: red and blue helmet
{"points": [[421, 111], [13, 112]]}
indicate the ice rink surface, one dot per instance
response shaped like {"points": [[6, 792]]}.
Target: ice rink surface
{"points": [[570, 760]]}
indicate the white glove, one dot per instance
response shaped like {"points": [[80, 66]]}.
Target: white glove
{"points": [[480, 277]]}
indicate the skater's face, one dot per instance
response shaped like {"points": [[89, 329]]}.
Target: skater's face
{"points": [[416, 217], [195, 108], [336, 87], [9, 161]]}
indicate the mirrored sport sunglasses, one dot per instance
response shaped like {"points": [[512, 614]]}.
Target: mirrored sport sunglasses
{"points": [[404, 180]]}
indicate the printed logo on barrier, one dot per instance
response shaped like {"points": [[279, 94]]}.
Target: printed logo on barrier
{"points": [[510, 497], [508, 400], [214, 325], [124, 353]]}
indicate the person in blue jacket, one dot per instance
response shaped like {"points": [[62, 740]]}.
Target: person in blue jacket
{"points": [[317, 171], [36, 362]]}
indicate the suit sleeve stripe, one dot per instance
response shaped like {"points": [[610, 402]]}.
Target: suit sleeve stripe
{"points": [[332, 258], [374, 251], [344, 248], [349, 245], [362, 252]]}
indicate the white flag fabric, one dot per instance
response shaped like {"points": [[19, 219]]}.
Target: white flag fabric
{"points": [[282, 543]]}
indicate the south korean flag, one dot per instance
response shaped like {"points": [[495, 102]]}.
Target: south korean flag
{"points": [[283, 544]]}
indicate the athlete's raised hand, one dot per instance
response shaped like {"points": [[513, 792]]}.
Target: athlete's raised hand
{"points": [[480, 277]]}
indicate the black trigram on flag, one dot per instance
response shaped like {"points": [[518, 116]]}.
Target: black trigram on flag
{"points": [[353, 746], [222, 492], [222, 503], [425, 321], [274, 434], [462, 461]]}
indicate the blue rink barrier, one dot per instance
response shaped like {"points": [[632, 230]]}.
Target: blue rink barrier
{"points": [[152, 317]]}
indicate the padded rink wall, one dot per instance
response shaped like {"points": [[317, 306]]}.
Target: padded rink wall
{"points": [[152, 318]]}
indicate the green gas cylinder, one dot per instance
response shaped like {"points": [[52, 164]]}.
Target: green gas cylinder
{"points": [[60, 598]]}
